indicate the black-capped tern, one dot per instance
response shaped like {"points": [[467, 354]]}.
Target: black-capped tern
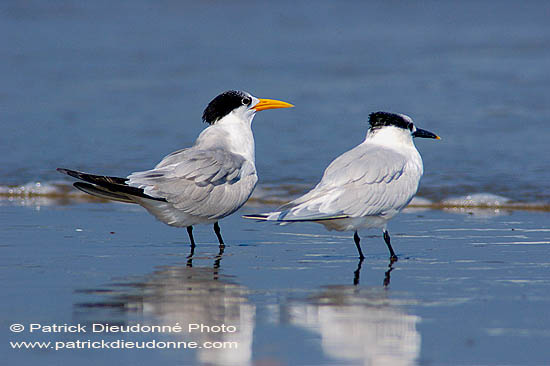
{"points": [[367, 185], [200, 184]]}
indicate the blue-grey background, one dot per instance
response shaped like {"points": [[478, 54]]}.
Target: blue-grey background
{"points": [[112, 86]]}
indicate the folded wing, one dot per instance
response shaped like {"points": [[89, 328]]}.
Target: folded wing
{"points": [[210, 183], [364, 181]]}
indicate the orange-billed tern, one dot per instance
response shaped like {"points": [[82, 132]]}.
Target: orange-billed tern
{"points": [[200, 184]]}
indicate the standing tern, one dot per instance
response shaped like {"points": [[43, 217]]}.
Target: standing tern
{"points": [[200, 184], [367, 185]]}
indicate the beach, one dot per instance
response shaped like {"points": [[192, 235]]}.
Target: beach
{"points": [[111, 87], [467, 289]]}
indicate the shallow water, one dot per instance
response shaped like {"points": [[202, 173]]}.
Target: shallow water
{"points": [[468, 289], [112, 87]]}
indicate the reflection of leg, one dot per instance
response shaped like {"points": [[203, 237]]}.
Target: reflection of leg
{"points": [[357, 272], [387, 274], [357, 240], [393, 257], [219, 257], [218, 234]]}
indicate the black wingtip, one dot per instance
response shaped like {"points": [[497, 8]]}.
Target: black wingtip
{"points": [[97, 191], [72, 173]]}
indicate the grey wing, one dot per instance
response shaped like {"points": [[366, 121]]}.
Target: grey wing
{"points": [[362, 182], [209, 183]]}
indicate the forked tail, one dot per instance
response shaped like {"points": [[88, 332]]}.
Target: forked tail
{"points": [[111, 188]]}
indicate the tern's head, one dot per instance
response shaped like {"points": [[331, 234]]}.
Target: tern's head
{"points": [[396, 124], [239, 104]]}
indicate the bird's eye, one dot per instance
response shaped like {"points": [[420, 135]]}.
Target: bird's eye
{"points": [[411, 127], [246, 101]]}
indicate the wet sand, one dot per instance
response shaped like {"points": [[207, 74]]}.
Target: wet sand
{"points": [[111, 87], [469, 288]]}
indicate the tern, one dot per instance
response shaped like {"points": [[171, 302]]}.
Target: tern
{"points": [[366, 186], [200, 184]]}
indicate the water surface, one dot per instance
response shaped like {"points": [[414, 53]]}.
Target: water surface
{"points": [[112, 87]]}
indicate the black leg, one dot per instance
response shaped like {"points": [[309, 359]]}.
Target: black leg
{"points": [[190, 233], [190, 256], [393, 257], [357, 240], [219, 234]]}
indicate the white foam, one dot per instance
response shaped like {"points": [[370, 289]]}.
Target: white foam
{"points": [[477, 200], [62, 192], [38, 194], [36, 189]]}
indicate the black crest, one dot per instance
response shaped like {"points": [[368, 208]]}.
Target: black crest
{"points": [[381, 119], [223, 104]]}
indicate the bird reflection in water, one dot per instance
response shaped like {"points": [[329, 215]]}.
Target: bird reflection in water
{"points": [[357, 273], [187, 295], [217, 259], [359, 325], [354, 324]]}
